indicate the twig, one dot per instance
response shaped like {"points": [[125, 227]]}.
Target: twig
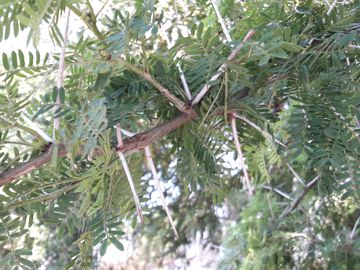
{"points": [[221, 21], [240, 154], [101, 9], [133, 144], [222, 68], [158, 186], [128, 175], [60, 79], [180, 105], [90, 21], [298, 200]]}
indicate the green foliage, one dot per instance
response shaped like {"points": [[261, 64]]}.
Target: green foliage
{"points": [[90, 126], [307, 241], [18, 16], [15, 64], [295, 86]]}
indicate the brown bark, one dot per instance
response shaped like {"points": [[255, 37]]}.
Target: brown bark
{"points": [[130, 145], [30, 165], [141, 140]]}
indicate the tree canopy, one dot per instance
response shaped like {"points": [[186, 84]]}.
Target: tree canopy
{"points": [[243, 117]]}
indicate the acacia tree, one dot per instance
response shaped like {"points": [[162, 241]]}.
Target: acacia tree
{"points": [[165, 93]]}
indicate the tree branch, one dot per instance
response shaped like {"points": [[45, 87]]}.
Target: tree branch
{"points": [[298, 200], [30, 165], [130, 145], [141, 140]]}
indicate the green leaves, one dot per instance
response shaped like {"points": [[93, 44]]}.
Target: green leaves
{"points": [[32, 15], [102, 80], [297, 79], [16, 64], [90, 125], [58, 92], [12, 229], [9, 23], [117, 243], [272, 46], [5, 61]]}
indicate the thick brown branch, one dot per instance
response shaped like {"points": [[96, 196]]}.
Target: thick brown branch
{"points": [[30, 165], [133, 144], [141, 140]]}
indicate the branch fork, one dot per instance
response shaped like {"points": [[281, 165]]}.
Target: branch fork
{"points": [[141, 140]]}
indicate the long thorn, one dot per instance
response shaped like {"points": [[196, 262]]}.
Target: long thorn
{"points": [[158, 186], [222, 68], [60, 79], [128, 175], [182, 76], [221, 21], [354, 228]]}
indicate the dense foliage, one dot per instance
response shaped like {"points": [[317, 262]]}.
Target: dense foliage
{"points": [[294, 88]]}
